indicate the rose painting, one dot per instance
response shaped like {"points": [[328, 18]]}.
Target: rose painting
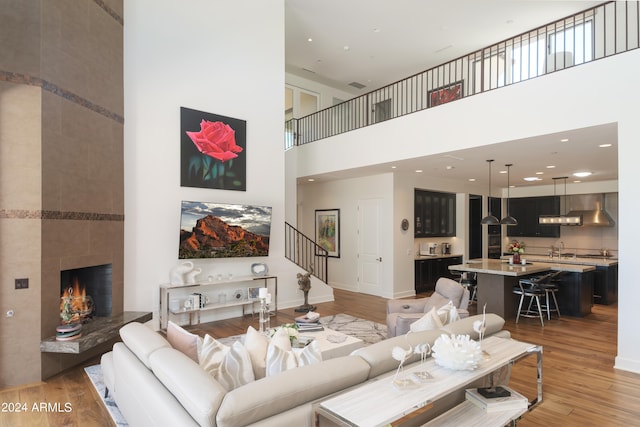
{"points": [[212, 151]]}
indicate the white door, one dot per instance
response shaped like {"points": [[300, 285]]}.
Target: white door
{"points": [[370, 260]]}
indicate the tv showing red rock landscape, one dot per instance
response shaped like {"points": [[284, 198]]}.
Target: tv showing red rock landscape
{"points": [[220, 230]]}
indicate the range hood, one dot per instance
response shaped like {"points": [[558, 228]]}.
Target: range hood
{"points": [[592, 209]]}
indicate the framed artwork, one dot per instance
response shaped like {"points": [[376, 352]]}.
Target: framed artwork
{"points": [[213, 151], [445, 94], [254, 294], [328, 230]]}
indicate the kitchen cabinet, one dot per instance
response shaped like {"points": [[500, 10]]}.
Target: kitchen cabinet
{"points": [[428, 271], [434, 214], [605, 287], [575, 293], [526, 211]]}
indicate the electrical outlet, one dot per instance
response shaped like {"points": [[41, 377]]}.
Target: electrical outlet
{"points": [[22, 283]]}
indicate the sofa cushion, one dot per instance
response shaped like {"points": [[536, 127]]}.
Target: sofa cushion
{"points": [[494, 323], [435, 301], [230, 366], [183, 340], [290, 389], [142, 341], [378, 355], [199, 394]]}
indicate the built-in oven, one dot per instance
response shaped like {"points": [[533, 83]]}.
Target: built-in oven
{"points": [[494, 246]]}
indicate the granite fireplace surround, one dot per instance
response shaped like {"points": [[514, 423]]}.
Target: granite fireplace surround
{"points": [[62, 169]]}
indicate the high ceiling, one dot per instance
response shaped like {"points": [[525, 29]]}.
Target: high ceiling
{"points": [[377, 42]]}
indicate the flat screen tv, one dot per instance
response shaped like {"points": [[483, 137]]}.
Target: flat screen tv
{"points": [[220, 230]]}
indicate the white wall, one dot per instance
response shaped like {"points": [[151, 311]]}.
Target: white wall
{"points": [[574, 98], [345, 195], [222, 57]]}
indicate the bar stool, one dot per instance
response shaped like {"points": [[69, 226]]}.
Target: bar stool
{"points": [[528, 288], [550, 287], [470, 281]]}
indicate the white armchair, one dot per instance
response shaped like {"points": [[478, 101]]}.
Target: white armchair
{"points": [[401, 313]]}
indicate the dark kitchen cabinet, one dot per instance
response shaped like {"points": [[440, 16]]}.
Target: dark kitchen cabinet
{"points": [[605, 287], [428, 271], [526, 211], [434, 214]]}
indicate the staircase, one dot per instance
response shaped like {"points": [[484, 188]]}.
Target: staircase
{"points": [[305, 253]]}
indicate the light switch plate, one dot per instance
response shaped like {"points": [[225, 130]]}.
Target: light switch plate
{"points": [[22, 283]]}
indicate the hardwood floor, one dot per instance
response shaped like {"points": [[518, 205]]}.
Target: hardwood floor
{"points": [[581, 388]]}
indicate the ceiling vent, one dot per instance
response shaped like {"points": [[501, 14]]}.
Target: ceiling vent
{"points": [[357, 85]]}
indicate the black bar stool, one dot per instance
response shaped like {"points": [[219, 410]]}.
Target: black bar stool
{"points": [[528, 288], [550, 287], [470, 281]]}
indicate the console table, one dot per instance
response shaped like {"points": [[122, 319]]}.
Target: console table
{"points": [[166, 289], [394, 406]]}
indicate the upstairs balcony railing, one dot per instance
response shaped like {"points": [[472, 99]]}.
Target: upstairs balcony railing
{"points": [[608, 29]]}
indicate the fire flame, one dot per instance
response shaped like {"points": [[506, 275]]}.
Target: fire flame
{"points": [[80, 304]]}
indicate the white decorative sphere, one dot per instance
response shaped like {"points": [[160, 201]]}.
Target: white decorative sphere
{"points": [[457, 352]]}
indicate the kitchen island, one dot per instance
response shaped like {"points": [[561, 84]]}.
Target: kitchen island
{"points": [[497, 278]]}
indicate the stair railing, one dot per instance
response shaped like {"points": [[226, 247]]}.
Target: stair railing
{"points": [[305, 253]]}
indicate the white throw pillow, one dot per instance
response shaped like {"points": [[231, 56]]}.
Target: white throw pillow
{"points": [[230, 366], [257, 344], [448, 313], [429, 321], [280, 356], [183, 340]]}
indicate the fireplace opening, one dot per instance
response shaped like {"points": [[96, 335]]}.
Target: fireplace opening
{"points": [[87, 291]]}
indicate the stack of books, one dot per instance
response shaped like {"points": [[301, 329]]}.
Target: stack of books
{"points": [[499, 398], [68, 332], [310, 322]]}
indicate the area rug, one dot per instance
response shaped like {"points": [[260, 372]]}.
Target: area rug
{"points": [[366, 330], [95, 375]]}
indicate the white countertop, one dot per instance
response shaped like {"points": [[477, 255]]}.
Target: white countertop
{"points": [[503, 268], [421, 257], [569, 260]]}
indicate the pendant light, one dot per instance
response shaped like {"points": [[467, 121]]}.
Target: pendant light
{"points": [[508, 220], [490, 219], [565, 219]]}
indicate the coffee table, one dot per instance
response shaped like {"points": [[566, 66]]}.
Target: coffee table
{"points": [[334, 344], [393, 406]]}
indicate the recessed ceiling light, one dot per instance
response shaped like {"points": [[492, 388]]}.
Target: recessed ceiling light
{"points": [[393, 167], [532, 178], [582, 174], [539, 173], [550, 167], [346, 48], [418, 170], [502, 172], [604, 145], [577, 181], [311, 180], [450, 167], [309, 39], [564, 140], [472, 179]]}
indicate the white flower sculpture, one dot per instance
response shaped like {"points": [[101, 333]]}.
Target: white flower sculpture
{"points": [[457, 352]]}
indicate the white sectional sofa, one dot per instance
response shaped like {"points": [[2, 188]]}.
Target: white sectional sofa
{"points": [[155, 384]]}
